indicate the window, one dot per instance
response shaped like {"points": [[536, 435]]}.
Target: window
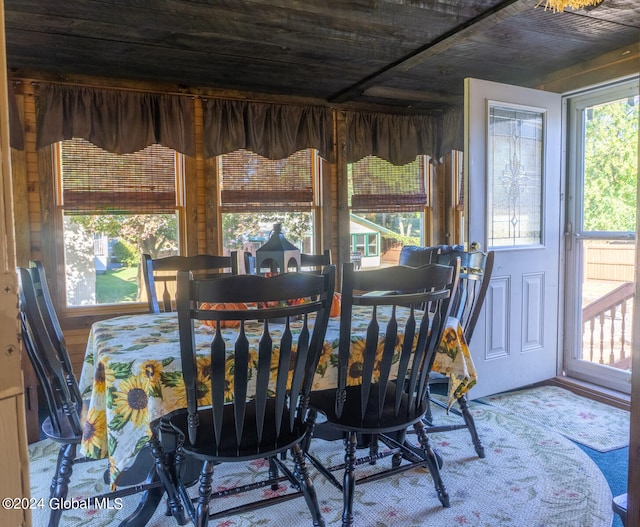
{"points": [[256, 192], [365, 244], [113, 208], [388, 205]]}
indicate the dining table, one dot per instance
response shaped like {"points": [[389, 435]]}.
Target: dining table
{"points": [[132, 375]]}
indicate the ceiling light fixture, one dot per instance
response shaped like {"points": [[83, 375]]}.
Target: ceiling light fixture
{"points": [[561, 5]]}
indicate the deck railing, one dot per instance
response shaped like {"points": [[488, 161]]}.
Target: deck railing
{"points": [[604, 325]]}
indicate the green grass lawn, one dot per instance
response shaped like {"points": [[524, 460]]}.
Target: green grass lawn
{"points": [[119, 285]]}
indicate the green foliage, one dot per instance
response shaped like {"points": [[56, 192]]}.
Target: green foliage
{"points": [[149, 233], [611, 167], [126, 253], [406, 225]]}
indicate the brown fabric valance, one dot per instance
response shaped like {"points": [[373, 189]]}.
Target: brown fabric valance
{"points": [[117, 121], [452, 136], [16, 135], [399, 139], [274, 131]]}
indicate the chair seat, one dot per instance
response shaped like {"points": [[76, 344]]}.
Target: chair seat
{"points": [[351, 419], [66, 434], [229, 450]]}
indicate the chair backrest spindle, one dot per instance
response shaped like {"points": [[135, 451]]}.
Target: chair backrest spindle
{"points": [[164, 270], [385, 362], [272, 375]]}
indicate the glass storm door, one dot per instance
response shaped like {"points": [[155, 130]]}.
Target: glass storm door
{"points": [[600, 239]]}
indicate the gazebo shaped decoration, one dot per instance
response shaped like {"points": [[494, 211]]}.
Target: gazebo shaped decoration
{"points": [[278, 255]]}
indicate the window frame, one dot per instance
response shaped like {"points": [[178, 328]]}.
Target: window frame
{"points": [[56, 252], [315, 208], [426, 212], [367, 236]]}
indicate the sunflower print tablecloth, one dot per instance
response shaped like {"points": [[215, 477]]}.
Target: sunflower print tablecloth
{"points": [[132, 376]]}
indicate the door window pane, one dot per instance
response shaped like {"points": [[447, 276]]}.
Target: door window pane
{"points": [[515, 176], [610, 166], [601, 247], [610, 181]]}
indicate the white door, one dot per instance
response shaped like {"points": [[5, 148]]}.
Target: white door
{"points": [[513, 183]]}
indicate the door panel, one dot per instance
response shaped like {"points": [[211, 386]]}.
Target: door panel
{"points": [[513, 207]]}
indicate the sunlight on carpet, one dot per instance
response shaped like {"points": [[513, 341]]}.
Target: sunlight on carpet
{"points": [[531, 477], [585, 421]]}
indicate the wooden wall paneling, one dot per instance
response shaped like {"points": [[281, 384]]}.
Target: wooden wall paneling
{"points": [[326, 170], [449, 191], [20, 191], [31, 168], [189, 221], [14, 457], [333, 242], [438, 228], [212, 216], [342, 195], [77, 345], [613, 65], [21, 195], [203, 245], [50, 246], [331, 237]]}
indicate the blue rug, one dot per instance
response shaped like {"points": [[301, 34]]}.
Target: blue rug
{"points": [[614, 466]]}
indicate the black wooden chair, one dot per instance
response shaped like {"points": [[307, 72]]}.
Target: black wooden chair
{"points": [[159, 275], [271, 383], [475, 273], [45, 346], [416, 256], [379, 398], [315, 262]]}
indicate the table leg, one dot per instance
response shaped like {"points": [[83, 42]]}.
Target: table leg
{"points": [[163, 444], [146, 508]]}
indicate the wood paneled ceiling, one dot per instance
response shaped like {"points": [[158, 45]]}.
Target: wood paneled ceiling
{"points": [[401, 53]]}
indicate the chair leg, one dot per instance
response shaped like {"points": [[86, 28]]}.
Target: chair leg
{"points": [[54, 479], [60, 482], [306, 486], [471, 425], [312, 415], [204, 495], [428, 415], [273, 472], [374, 448], [432, 463], [349, 483]]}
